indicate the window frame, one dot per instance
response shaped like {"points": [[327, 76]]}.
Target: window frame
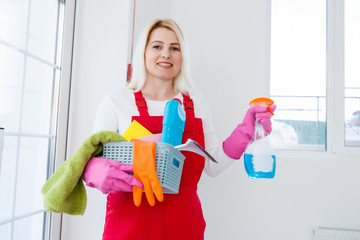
{"points": [[335, 80], [54, 220]]}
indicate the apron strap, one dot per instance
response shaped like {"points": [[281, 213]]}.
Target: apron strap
{"points": [[141, 104], [189, 107], [143, 109]]}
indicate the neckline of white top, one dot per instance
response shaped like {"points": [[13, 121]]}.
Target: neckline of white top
{"points": [[179, 96]]}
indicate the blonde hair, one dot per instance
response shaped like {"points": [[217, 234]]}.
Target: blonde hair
{"points": [[182, 81]]}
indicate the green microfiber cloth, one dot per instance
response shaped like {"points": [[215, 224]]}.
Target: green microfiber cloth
{"points": [[64, 191]]}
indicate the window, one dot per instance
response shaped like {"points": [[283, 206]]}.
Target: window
{"points": [[298, 73], [352, 73], [30, 65], [314, 74]]}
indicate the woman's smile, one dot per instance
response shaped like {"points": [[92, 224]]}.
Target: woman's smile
{"points": [[165, 65]]}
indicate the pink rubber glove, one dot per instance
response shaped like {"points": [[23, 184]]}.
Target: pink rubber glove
{"points": [[234, 146], [108, 175]]}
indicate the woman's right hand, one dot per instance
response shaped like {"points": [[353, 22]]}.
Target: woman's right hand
{"points": [[108, 175]]}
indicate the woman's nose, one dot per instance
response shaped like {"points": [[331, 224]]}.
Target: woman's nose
{"points": [[165, 53]]}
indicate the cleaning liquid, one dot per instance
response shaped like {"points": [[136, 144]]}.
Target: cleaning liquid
{"points": [[173, 123], [259, 156], [262, 166]]}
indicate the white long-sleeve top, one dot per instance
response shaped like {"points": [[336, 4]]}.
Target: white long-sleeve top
{"points": [[117, 108]]}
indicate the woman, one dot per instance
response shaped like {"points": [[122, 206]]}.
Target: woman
{"points": [[160, 74]]}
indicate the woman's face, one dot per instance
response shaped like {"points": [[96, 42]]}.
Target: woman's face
{"points": [[163, 56]]}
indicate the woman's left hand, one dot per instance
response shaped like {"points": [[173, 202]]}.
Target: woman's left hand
{"points": [[264, 119], [234, 146]]}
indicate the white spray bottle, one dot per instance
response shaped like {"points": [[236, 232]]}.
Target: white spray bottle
{"points": [[259, 156]]}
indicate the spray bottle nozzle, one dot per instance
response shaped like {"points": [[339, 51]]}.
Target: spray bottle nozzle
{"points": [[266, 102]]}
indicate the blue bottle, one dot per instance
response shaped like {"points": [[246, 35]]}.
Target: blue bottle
{"points": [[173, 123], [259, 155]]}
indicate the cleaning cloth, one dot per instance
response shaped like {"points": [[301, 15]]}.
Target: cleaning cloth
{"points": [[64, 191]]}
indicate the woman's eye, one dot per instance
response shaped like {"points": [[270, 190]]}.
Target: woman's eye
{"points": [[175, 49], [157, 47]]}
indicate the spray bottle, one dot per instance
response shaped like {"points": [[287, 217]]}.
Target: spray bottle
{"points": [[259, 156], [173, 123]]}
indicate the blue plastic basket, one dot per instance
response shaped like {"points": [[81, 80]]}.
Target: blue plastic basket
{"points": [[169, 162]]}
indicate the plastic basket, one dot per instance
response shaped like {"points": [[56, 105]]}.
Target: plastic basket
{"points": [[169, 162]]}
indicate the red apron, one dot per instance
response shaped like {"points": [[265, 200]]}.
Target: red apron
{"points": [[179, 216]]}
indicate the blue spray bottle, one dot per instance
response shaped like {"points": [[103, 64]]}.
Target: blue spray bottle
{"points": [[173, 123]]}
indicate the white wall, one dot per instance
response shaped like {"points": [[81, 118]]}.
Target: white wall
{"points": [[229, 52], [146, 11], [100, 63]]}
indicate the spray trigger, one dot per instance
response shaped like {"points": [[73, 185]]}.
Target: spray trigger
{"points": [[266, 102]]}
